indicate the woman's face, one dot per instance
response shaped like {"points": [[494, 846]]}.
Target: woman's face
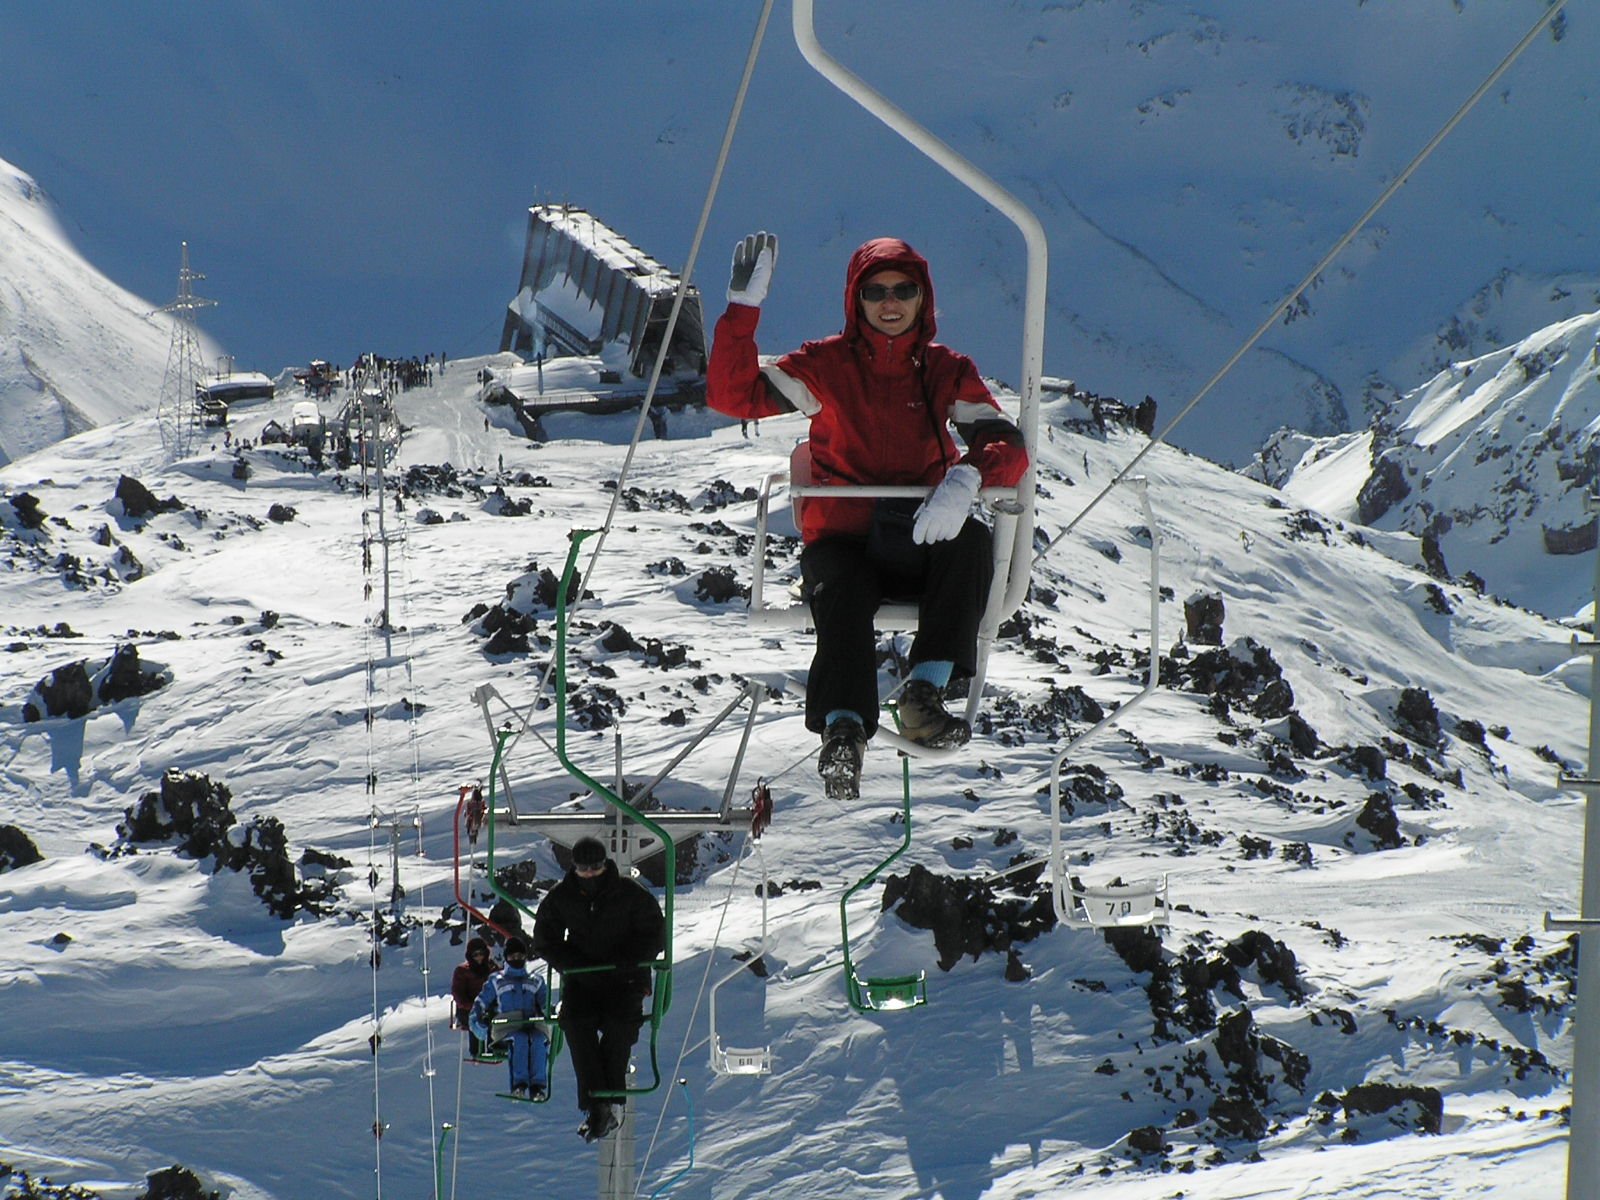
{"points": [[890, 314]]}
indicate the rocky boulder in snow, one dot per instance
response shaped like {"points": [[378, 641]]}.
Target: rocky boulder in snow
{"points": [[198, 813], [1202, 615], [16, 849], [139, 502], [177, 1182], [28, 513], [74, 690], [1408, 1107], [967, 916]]}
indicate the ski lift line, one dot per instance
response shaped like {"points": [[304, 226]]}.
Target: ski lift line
{"points": [[672, 318], [683, 281], [750, 691], [1283, 305], [377, 1016], [754, 1061], [481, 917], [455, 1154], [438, 1161], [430, 1070], [489, 824], [1038, 264]]}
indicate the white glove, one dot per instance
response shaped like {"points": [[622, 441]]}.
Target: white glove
{"points": [[945, 511], [753, 261]]}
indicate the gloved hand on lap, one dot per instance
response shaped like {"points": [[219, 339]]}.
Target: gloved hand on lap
{"points": [[945, 511]]}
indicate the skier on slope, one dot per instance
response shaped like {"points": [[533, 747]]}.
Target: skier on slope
{"points": [[514, 992], [881, 396]]}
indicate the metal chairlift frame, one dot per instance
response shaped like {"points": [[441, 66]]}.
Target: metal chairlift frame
{"points": [[630, 834], [1126, 905], [730, 1060], [890, 992], [1014, 506]]}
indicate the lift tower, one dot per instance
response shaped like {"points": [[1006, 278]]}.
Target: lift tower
{"points": [[175, 410]]}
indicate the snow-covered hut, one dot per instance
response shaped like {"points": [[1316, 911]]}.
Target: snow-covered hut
{"points": [[585, 288]]}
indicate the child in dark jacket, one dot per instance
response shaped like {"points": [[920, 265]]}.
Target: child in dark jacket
{"points": [[466, 983]]}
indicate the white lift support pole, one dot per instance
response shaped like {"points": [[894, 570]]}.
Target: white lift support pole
{"points": [[1583, 1144]]}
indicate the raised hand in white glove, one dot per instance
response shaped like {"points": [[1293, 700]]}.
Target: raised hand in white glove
{"points": [[753, 261], [945, 511]]}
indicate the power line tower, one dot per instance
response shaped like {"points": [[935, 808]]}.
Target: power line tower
{"points": [[175, 411]]}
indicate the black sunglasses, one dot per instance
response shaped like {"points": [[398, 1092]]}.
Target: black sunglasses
{"points": [[874, 293]]}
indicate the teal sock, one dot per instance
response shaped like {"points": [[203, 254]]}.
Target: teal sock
{"points": [[844, 714], [936, 673]]}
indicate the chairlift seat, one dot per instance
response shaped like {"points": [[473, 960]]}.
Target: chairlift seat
{"points": [[893, 614], [1121, 906], [732, 1060], [888, 993]]}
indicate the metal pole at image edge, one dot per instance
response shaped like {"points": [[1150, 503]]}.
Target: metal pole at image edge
{"points": [[1583, 1146]]}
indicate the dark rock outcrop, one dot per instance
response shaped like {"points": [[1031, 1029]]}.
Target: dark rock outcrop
{"points": [[1202, 615], [138, 502], [198, 813], [1408, 1106], [1384, 488], [965, 915], [16, 849]]}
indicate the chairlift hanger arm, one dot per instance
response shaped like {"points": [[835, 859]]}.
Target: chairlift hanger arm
{"points": [[1033, 235]]}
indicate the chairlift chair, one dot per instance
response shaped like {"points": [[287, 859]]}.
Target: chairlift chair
{"points": [[730, 1060], [1116, 904], [1007, 508]]}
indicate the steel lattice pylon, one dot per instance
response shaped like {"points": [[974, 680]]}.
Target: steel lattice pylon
{"points": [[176, 409]]}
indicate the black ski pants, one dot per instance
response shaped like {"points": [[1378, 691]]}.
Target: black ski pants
{"points": [[601, 1017], [846, 580]]}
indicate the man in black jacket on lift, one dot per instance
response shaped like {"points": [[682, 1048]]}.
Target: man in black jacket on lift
{"points": [[596, 918]]}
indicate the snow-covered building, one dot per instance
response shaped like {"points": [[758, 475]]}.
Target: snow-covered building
{"points": [[585, 288]]}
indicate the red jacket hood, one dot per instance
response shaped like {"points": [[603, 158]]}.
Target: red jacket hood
{"points": [[877, 255]]}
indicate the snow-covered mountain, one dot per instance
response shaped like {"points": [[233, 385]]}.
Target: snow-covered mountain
{"points": [[1489, 463], [346, 190], [76, 350], [1352, 797]]}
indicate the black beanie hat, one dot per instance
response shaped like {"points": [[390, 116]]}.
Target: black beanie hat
{"points": [[515, 945], [589, 852], [475, 945]]}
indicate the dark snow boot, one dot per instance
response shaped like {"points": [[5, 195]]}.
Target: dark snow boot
{"points": [[839, 763], [602, 1120], [925, 720]]}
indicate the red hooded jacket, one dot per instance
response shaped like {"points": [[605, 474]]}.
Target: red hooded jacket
{"points": [[880, 406]]}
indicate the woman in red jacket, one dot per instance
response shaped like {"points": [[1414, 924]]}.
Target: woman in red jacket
{"points": [[881, 396]]}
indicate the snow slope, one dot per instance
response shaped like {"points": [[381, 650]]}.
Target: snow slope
{"points": [[180, 1022], [76, 350], [1492, 459], [345, 188]]}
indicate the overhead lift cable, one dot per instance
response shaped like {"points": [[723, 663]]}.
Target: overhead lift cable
{"points": [[684, 280]]}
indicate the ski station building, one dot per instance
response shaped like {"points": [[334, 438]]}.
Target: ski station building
{"points": [[588, 319]]}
